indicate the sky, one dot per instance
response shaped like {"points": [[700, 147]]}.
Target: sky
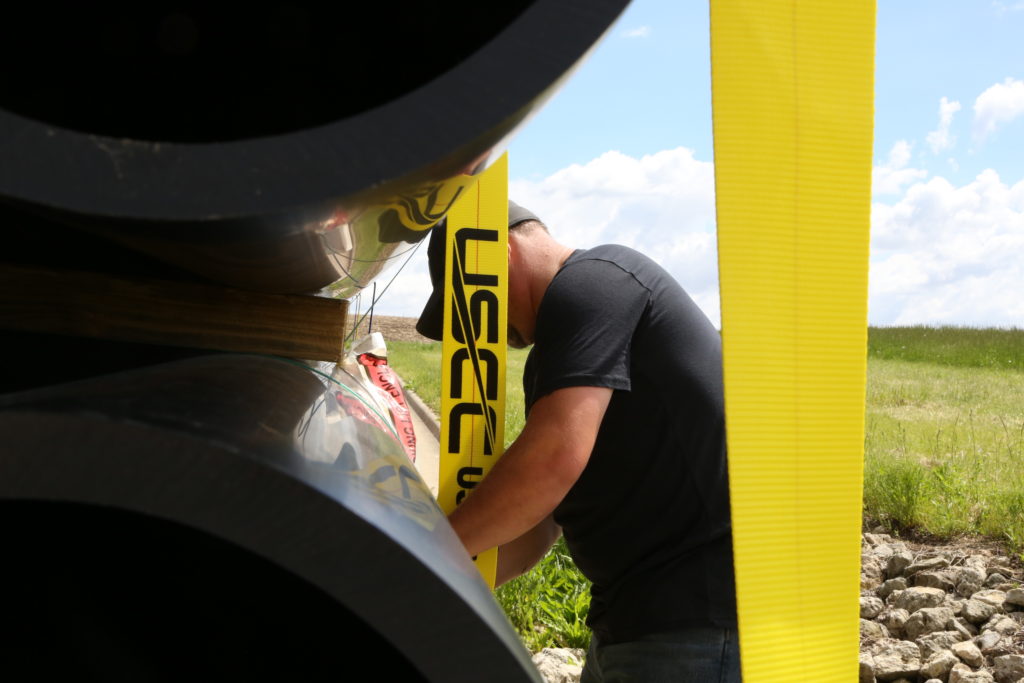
{"points": [[623, 153]]}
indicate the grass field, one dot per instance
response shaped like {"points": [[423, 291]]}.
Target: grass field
{"points": [[943, 452], [945, 431]]}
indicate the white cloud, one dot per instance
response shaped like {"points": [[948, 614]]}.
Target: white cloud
{"points": [[1004, 7], [1000, 104], [940, 254], [949, 255], [890, 177], [638, 32], [940, 138], [662, 204]]}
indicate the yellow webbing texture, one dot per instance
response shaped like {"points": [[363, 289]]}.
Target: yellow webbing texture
{"points": [[792, 101], [473, 369]]}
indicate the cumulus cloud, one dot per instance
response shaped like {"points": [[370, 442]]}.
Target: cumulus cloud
{"points": [[940, 253], [944, 254], [1004, 7], [638, 32], [998, 105], [890, 177], [661, 204], [940, 138]]}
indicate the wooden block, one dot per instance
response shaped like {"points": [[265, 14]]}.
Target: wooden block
{"points": [[186, 314]]}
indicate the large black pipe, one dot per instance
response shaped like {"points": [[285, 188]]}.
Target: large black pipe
{"points": [[229, 517], [287, 151]]}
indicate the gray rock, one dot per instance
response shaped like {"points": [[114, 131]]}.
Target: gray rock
{"points": [[930, 564], [939, 664], [995, 579], [897, 563], [872, 630], [872, 572], [1001, 624], [895, 659], [993, 644], [919, 597], [934, 643], [1000, 565], [870, 607], [1017, 616], [969, 653], [1008, 668], [894, 619], [964, 627], [560, 665], [867, 668], [961, 673], [968, 588], [927, 620], [876, 540], [972, 575], [934, 680], [979, 563], [939, 579], [993, 597], [988, 641], [884, 551], [897, 584], [977, 612], [1015, 597]]}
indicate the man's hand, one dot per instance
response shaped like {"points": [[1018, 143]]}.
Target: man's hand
{"points": [[537, 470]]}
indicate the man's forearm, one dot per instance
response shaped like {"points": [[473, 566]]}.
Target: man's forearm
{"points": [[537, 471], [517, 557]]}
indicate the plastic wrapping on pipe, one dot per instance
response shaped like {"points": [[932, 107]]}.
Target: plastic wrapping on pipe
{"points": [[280, 151], [229, 514]]}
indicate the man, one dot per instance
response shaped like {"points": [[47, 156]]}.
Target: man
{"points": [[623, 451]]}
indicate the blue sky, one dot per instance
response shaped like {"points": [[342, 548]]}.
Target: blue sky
{"points": [[624, 153]]}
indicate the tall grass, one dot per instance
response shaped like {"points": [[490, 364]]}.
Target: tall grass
{"points": [[945, 431], [944, 452], [419, 366], [548, 605], [994, 348]]}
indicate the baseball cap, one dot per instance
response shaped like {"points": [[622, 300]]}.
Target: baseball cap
{"points": [[431, 321]]}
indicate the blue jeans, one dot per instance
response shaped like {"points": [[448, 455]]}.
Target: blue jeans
{"points": [[694, 655]]}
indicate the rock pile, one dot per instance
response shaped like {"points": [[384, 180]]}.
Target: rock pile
{"points": [[927, 615], [560, 664], [950, 615]]}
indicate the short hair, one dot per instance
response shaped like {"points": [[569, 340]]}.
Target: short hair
{"points": [[523, 227]]}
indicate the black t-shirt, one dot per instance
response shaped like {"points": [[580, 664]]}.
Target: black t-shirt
{"points": [[648, 520]]}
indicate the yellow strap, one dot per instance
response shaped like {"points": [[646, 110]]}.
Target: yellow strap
{"points": [[473, 364], [792, 94]]}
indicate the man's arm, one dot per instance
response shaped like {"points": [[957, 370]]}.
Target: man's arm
{"points": [[537, 470], [518, 556]]}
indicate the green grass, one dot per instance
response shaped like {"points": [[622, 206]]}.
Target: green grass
{"points": [[548, 605], [943, 451], [419, 366], [997, 349]]}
